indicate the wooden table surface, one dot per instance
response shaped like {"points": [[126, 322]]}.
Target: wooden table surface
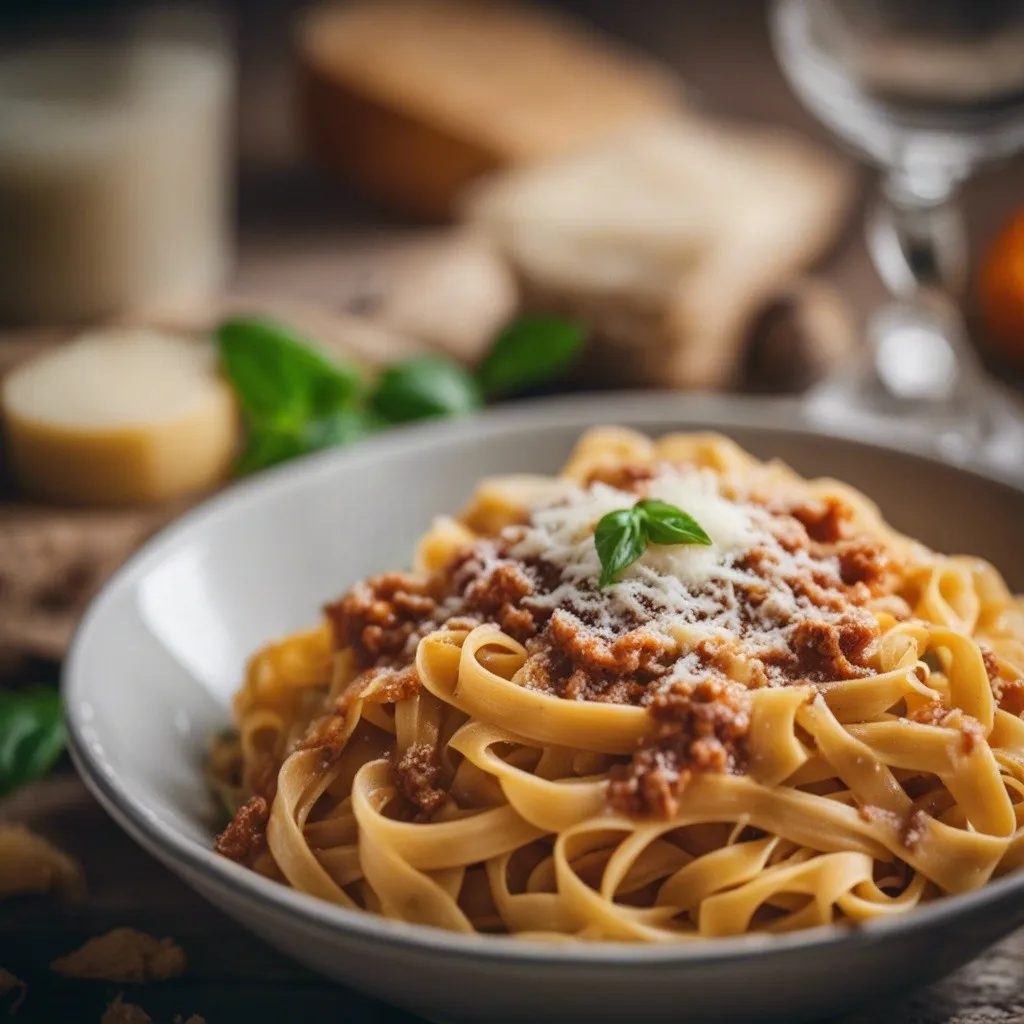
{"points": [[305, 238]]}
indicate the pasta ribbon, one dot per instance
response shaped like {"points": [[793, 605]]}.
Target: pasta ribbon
{"points": [[812, 719]]}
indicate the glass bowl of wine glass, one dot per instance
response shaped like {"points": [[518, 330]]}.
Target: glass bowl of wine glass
{"points": [[928, 91]]}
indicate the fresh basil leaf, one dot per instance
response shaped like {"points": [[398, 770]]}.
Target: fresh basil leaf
{"points": [[279, 377], [267, 447], [620, 539], [667, 524], [532, 350], [344, 427], [270, 444], [31, 736], [422, 388], [622, 536]]}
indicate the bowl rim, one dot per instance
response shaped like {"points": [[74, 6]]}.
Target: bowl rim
{"points": [[186, 857]]}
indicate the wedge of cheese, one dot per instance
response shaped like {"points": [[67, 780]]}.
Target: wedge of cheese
{"points": [[120, 416], [412, 99]]}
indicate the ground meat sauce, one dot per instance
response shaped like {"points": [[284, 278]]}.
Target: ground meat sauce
{"points": [[377, 616], [830, 650], [936, 713], [622, 477], [912, 827], [415, 773], [988, 656], [793, 612], [246, 835], [697, 726], [497, 596], [1008, 692], [826, 520], [579, 664], [264, 776]]}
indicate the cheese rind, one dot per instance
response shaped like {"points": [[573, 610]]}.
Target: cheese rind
{"points": [[119, 417]]}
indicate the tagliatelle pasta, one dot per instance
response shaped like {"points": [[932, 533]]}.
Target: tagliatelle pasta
{"points": [[808, 719]]}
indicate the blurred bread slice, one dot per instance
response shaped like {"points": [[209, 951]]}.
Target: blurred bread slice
{"points": [[447, 291], [353, 337], [666, 240], [454, 296], [413, 99]]}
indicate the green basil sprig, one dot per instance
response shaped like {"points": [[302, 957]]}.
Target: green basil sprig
{"points": [[269, 445], [31, 735], [622, 536], [295, 399], [530, 351], [425, 387]]}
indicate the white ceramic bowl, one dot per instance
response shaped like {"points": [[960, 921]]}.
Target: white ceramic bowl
{"points": [[162, 648]]}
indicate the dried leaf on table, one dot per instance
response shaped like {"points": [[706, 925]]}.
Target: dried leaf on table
{"points": [[31, 864], [124, 955], [11, 983], [120, 1012]]}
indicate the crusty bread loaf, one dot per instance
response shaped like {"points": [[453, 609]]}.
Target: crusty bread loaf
{"points": [[665, 240], [412, 99]]}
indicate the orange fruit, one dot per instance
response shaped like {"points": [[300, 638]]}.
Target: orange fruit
{"points": [[1001, 290]]}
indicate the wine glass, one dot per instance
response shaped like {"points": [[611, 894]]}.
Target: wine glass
{"points": [[927, 90]]}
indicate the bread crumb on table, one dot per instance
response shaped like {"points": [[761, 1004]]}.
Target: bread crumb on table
{"points": [[31, 864], [11, 983], [123, 955], [120, 1012]]}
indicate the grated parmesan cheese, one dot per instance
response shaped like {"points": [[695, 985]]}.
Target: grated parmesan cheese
{"points": [[563, 536], [686, 592]]}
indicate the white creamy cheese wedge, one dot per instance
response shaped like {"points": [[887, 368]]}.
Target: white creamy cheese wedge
{"points": [[119, 416]]}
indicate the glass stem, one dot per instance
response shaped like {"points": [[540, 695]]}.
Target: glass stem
{"points": [[919, 348], [916, 234]]}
